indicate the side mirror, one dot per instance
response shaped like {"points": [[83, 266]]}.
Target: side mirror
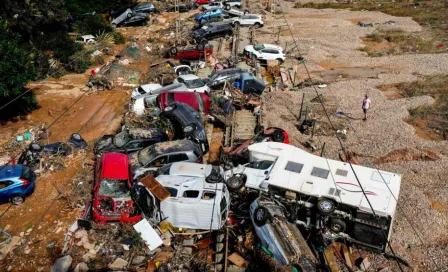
{"points": [[266, 172]]}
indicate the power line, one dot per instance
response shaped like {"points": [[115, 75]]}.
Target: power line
{"points": [[339, 140]]}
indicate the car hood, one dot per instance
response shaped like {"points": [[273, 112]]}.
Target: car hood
{"points": [[105, 143]]}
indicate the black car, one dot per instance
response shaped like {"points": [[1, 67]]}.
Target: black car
{"points": [[181, 9], [129, 140], [186, 123], [212, 31], [138, 19], [218, 78], [145, 8]]}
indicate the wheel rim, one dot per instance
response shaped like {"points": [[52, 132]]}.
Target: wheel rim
{"points": [[17, 200], [234, 182], [336, 227], [326, 206], [260, 214]]}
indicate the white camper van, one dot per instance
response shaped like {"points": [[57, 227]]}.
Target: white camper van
{"points": [[327, 187]]}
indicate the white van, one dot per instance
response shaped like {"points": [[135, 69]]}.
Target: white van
{"points": [[194, 203], [141, 102], [327, 188]]}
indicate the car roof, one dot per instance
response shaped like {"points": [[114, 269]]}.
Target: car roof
{"points": [[272, 46], [175, 146], [144, 133], [190, 169], [115, 166], [10, 171], [188, 77]]}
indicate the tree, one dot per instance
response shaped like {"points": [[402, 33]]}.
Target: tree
{"points": [[16, 69]]}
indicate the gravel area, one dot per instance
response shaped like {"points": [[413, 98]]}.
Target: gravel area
{"points": [[331, 38]]}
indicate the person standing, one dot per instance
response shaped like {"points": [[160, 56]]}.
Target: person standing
{"points": [[366, 103]]}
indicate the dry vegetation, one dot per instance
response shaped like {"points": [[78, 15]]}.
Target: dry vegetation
{"points": [[432, 15]]}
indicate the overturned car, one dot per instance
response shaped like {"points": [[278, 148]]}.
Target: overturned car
{"points": [[324, 194]]}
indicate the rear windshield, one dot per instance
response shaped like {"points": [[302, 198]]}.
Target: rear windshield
{"points": [[26, 173], [115, 188]]}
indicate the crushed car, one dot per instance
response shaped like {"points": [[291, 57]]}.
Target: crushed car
{"points": [[326, 193], [193, 203], [129, 140], [281, 237], [111, 192], [199, 101], [212, 31], [186, 123], [194, 52]]}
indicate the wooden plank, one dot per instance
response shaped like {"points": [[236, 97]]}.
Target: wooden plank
{"points": [[155, 187], [237, 259], [346, 255], [331, 259]]}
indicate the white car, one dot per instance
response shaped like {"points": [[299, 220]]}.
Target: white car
{"points": [[264, 51], [144, 89], [86, 39], [143, 101], [248, 20], [193, 83]]}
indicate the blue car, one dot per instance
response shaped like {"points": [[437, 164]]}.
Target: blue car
{"points": [[16, 183], [207, 15]]}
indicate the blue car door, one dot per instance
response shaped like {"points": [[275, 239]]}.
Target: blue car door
{"points": [[5, 190]]}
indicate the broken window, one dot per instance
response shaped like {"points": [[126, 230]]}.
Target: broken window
{"points": [[115, 188], [172, 191], [178, 158], [320, 172], [191, 194], [294, 167], [208, 195]]}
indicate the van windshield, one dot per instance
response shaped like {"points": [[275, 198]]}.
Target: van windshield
{"points": [[146, 155], [261, 165]]}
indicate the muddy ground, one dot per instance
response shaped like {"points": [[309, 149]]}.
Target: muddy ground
{"points": [[330, 41]]}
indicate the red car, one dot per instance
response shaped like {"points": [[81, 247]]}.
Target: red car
{"points": [[191, 53], [198, 101], [111, 195], [202, 2]]}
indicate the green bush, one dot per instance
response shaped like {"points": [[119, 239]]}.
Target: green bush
{"points": [[79, 62], [92, 25], [119, 38]]}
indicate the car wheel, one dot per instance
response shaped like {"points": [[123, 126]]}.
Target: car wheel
{"points": [[129, 15], [189, 128], [236, 24], [235, 183], [261, 216], [227, 36], [173, 51], [258, 129], [280, 61], [200, 46], [337, 225], [257, 25], [228, 7], [17, 200], [325, 206]]}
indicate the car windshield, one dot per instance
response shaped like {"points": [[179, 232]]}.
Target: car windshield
{"points": [[146, 155], [115, 188], [195, 83], [121, 139], [141, 91], [258, 46], [261, 165]]}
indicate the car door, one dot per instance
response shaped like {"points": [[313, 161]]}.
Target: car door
{"points": [[5, 186]]}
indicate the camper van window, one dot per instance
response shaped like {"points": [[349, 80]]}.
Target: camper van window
{"points": [[320, 172], [341, 172], [294, 167], [261, 165], [381, 177], [172, 191], [208, 195], [191, 194]]}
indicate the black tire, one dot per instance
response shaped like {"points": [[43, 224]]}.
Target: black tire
{"points": [[261, 216], [280, 61], [326, 206], [235, 183], [227, 35], [228, 7], [278, 136], [200, 46], [257, 25], [258, 129], [17, 199], [236, 24], [173, 51], [170, 108], [337, 225], [246, 11]]}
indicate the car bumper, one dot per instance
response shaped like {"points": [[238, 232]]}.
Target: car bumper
{"points": [[122, 218]]}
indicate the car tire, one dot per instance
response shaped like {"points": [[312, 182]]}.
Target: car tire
{"points": [[129, 15], [173, 51], [235, 183], [337, 225], [326, 206], [17, 199], [261, 216], [236, 24], [280, 61], [227, 36], [257, 25], [227, 7], [258, 129], [200, 46]]}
